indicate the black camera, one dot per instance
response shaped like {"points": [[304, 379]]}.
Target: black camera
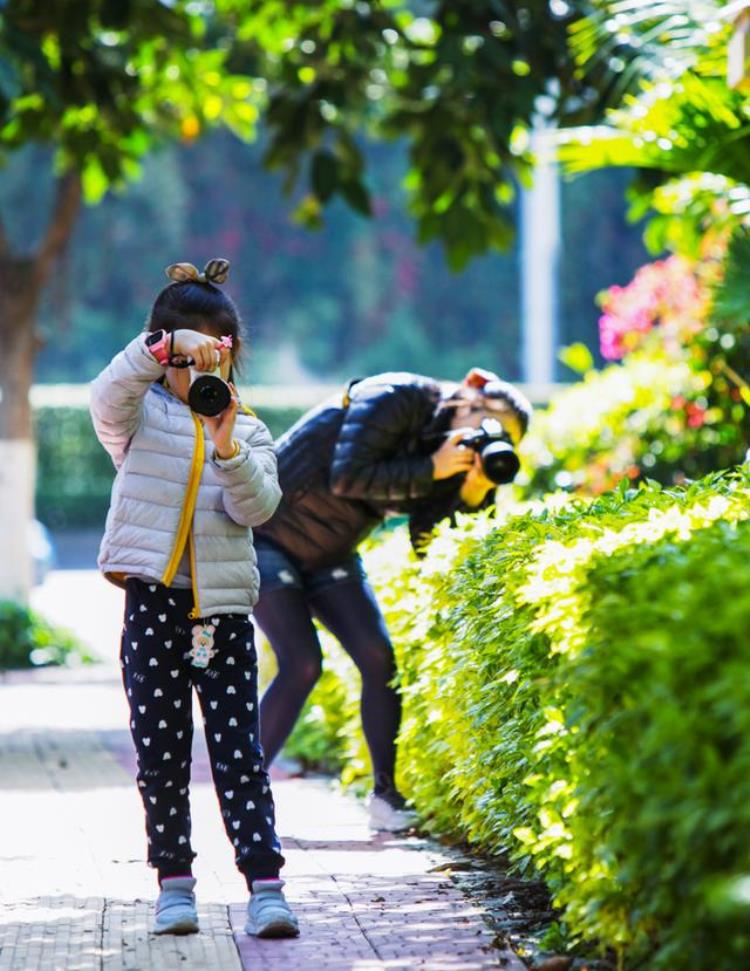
{"points": [[495, 449], [209, 395]]}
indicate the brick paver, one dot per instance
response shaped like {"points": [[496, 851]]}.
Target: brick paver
{"points": [[76, 894]]}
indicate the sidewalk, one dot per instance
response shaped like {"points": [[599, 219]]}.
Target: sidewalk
{"points": [[77, 895]]}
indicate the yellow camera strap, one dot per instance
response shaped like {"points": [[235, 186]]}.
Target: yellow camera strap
{"points": [[184, 528]]}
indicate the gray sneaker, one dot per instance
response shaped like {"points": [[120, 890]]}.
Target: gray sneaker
{"points": [[388, 818], [268, 913], [175, 907]]}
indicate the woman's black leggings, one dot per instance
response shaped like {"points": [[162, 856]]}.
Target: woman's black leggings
{"points": [[347, 607]]}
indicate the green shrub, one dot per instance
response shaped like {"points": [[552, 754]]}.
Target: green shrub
{"points": [[74, 473], [576, 682], [675, 407], [27, 640], [657, 758]]}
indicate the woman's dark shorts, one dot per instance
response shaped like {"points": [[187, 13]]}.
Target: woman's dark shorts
{"points": [[279, 570]]}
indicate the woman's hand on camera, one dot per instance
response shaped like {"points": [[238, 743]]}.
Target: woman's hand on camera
{"points": [[206, 351], [452, 458], [221, 428]]}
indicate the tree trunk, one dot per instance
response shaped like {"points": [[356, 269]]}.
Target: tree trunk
{"points": [[22, 279], [19, 297]]}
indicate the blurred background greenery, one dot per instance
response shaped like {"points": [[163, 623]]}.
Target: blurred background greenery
{"points": [[356, 296]]}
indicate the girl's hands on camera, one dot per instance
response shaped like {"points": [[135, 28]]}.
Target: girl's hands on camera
{"points": [[452, 458], [221, 428], [206, 351]]}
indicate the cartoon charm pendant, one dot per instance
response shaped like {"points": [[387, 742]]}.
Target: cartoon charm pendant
{"points": [[203, 645]]}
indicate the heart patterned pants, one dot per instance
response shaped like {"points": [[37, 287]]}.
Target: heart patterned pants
{"points": [[159, 677]]}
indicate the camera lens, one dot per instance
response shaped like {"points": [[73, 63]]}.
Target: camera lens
{"points": [[500, 462], [209, 395]]}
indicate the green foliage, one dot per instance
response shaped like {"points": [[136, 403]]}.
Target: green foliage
{"points": [[659, 721], [74, 473], [677, 405], [27, 640], [648, 417], [577, 357], [358, 297], [633, 40], [462, 83], [731, 300], [693, 124], [672, 115], [101, 82], [106, 83], [593, 433], [430, 73], [575, 686]]}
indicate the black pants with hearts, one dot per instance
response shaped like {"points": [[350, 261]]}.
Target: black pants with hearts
{"points": [[158, 676]]}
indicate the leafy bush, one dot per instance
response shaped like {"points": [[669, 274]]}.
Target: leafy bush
{"points": [[74, 473], [576, 690], [27, 640], [655, 786], [677, 405]]}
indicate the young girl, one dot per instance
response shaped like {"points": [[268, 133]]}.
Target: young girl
{"points": [[188, 490]]}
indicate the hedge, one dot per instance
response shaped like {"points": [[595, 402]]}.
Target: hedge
{"points": [[74, 473], [28, 640], [576, 684]]}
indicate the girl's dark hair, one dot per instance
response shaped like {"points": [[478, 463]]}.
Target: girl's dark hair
{"points": [[197, 306]]}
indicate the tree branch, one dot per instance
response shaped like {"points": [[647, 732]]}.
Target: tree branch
{"points": [[64, 214]]}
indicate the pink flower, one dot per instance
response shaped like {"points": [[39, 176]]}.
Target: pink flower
{"points": [[696, 416], [664, 294]]}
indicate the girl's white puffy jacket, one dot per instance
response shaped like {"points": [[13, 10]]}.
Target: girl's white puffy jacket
{"points": [[151, 436]]}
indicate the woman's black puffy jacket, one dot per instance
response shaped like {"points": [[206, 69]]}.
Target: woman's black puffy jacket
{"points": [[342, 467]]}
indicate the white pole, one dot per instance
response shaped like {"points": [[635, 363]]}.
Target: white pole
{"points": [[540, 254], [17, 461]]}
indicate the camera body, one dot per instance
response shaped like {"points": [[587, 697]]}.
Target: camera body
{"points": [[209, 394], [493, 444]]}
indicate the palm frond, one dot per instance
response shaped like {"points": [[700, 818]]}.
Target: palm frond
{"points": [[693, 124], [624, 42], [731, 296]]}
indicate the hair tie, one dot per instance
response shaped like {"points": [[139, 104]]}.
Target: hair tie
{"points": [[215, 271]]}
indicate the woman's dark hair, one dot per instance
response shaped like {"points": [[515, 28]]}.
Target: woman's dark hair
{"points": [[197, 306]]}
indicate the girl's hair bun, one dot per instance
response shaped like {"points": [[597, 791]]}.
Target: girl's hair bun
{"points": [[215, 271]]}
